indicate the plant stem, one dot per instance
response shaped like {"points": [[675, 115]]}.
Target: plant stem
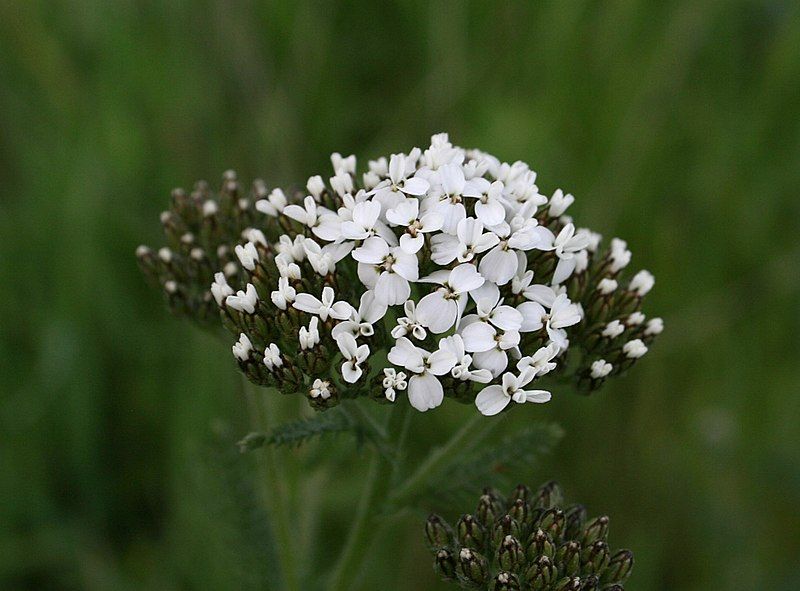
{"points": [[416, 481], [348, 567], [272, 474]]}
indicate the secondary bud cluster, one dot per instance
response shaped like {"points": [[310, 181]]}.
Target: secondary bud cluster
{"points": [[201, 229], [527, 542], [441, 272]]}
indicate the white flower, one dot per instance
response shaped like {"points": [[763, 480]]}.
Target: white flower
{"points": [[655, 326], [563, 314], [273, 205], [491, 352], [393, 382], [446, 199], [620, 255], [642, 283], [559, 203], [284, 295], [242, 348], [309, 337], [635, 319], [462, 371], [165, 254], [353, 354], [489, 207], [493, 399], [424, 389], [341, 164], [440, 310], [386, 270], [323, 308], [409, 324], [566, 245], [248, 255], [306, 215], [323, 223], [613, 329], [244, 301], [320, 389], [323, 259], [370, 310], [210, 208], [341, 183], [365, 223], [607, 286], [287, 267], [540, 362], [600, 369], [469, 241], [220, 288], [272, 357], [315, 186], [500, 264], [394, 190], [634, 349], [407, 214]]}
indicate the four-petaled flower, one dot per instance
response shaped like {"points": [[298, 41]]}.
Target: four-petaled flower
{"points": [[493, 399]]}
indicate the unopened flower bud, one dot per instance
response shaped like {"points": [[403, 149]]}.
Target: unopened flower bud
{"points": [[540, 544], [552, 523], [590, 583], [445, 565], [596, 529], [619, 567], [540, 573], [575, 521], [438, 533], [520, 511], [549, 495], [568, 556], [505, 582], [569, 584], [505, 526], [595, 558], [510, 554], [472, 568], [470, 533]]}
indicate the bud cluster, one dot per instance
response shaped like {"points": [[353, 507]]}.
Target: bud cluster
{"points": [[201, 230], [441, 272], [527, 542]]}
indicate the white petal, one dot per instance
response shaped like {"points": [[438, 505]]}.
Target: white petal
{"points": [[494, 360], [541, 294], [351, 372], [366, 213], [452, 214], [537, 396], [405, 354], [370, 309], [406, 265], [411, 244], [425, 392], [353, 231], [415, 186], [368, 274], [532, 313], [341, 311], [506, 318], [563, 270], [491, 213], [391, 289], [296, 212], [478, 336], [488, 292], [491, 400], [405, 213], [373, 251], [397, 168], [305, 302], [436, 313], [499, 265], [440, 362], [431, 222], [465, 277]]}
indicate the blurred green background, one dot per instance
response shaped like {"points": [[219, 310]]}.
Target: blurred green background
{"points": [[675, 123]]}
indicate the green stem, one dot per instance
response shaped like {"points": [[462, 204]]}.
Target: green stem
{"points": [[271, 476], [364, 528], [414, 484]]}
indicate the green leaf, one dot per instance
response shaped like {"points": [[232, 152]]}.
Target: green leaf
{"points": [[499, 463]]}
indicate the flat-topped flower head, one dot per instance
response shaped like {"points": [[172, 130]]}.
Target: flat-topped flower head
{"points": [[447, 267]]}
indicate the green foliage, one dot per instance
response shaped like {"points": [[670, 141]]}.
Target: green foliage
{"points": [[498, 461], [295, 433]]}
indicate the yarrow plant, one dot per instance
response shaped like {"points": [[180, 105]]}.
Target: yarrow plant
{"points": [[435, 273], [432, 274]]}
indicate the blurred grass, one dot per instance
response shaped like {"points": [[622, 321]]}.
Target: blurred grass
{"points": [[675, 123]]}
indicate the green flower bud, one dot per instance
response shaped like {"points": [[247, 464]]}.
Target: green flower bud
{"points": [[472, 569], [549, 495], [510, 554], [505, 526], [596, 529], [595, 558], [505, 582], [552, 522], [540, 544], [619, 567], [445, 565], [568, 557], [488, 510], [575, 520], [590, 583], [540, 573], [521, 492], [520, 510], [568, 584], [438, 533], [470, 533], [613, 588]]}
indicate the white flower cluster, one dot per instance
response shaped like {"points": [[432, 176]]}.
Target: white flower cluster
{"points": [[448, 264]]}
